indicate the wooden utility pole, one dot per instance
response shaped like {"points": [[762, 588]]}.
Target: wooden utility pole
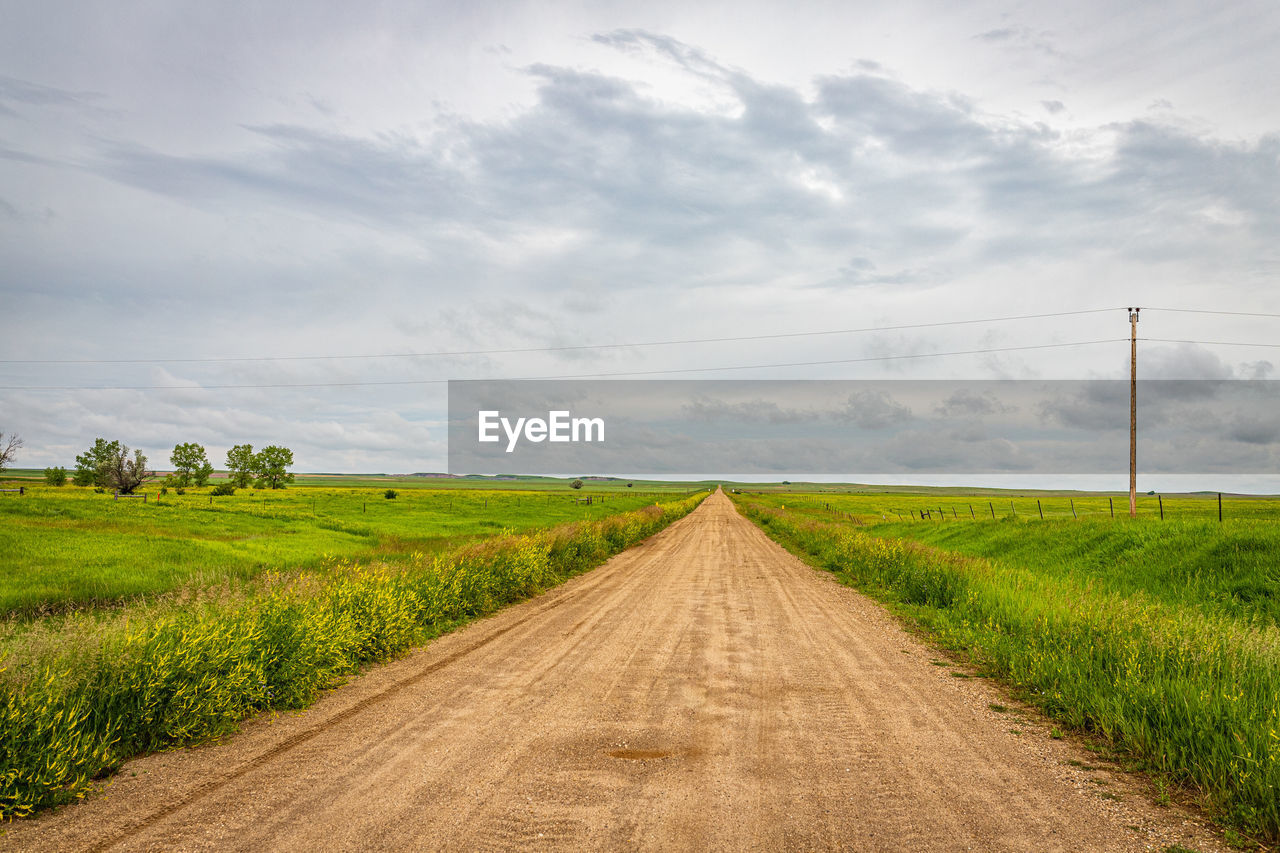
{"points": [[1133, 412]]}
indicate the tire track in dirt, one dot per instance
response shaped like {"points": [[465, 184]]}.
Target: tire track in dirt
{"points": [[704, 690]]}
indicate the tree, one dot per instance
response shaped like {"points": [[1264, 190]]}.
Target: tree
{"points": [[55, 476], [576, 484], [270, 464], [92, 464], [242, 464], [8, 449], [190, 464], [124, 474]]}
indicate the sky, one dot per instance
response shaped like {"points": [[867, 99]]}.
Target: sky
{"points": [[225, 223]]}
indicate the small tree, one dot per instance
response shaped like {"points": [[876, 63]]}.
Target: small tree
{"points": [[91, 466], [8, 449], [576, 484], [271, 465], [242, 465], [190, 464], [55, 476], [124, 474]]}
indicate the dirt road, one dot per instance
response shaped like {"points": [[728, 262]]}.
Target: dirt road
{"points": [[704, 690]]}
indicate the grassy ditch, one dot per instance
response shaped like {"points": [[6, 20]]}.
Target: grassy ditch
{"points": [[1193, 691], [77, 703]]}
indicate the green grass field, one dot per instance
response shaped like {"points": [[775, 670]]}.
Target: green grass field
{"points": [[81, 692], [69, 547], [1189, 559], [953, 504], [1163, 638]]}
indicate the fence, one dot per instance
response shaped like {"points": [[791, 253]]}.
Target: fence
{"points": [[1046, 509]]}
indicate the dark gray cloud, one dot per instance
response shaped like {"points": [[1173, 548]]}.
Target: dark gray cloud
{"points": [[868, 163], [1254, 430], [754, 411], [1000, 34], [873, 410], [969, 403], [14, 91]]}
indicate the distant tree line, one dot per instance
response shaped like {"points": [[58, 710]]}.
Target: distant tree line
{"points": [[108, 465]]}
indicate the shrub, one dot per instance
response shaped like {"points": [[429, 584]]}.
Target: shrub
{"points": [[389, 494], [55, 476], [223, 489]]}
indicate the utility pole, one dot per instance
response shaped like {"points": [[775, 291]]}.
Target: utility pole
{"points": [[1133, 412]]}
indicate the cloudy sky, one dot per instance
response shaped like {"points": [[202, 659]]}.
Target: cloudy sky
{"points": [[199, 200]]}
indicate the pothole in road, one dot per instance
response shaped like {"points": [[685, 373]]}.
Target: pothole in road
{"points": [[639, 754]]}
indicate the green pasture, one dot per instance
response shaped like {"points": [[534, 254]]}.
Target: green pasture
{"points": [[1188, 559], [63, 547], [978, 505]]}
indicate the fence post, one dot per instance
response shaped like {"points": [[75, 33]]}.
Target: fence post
{"points": [[1040, 508], [1073, 508], [971, 513], [993, 508], [1112, 501], [1219, 507], [1013, 509], [1160, 499], [116, 495]]}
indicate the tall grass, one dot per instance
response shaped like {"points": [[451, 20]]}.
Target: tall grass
{"points": [[1194, 692], [72, 711], [69, 548]]}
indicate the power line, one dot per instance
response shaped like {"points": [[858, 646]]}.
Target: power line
{"points": [[1200, 311], [1208, 343], [669, 371], [566, 348]]}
